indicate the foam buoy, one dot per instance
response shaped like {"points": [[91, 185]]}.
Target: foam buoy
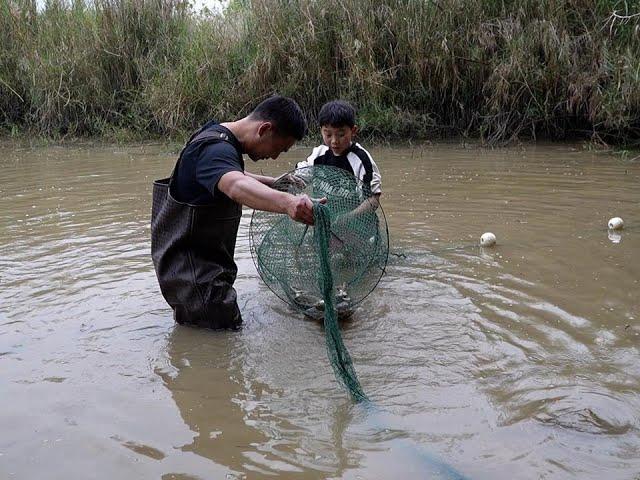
{"points": [[487, 239], [615, 223]]}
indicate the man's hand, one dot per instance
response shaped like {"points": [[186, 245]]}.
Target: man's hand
{"points": [[289, 179], [300, 209]]}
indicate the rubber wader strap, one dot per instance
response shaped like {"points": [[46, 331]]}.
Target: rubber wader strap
{"points": [[200, 136]]}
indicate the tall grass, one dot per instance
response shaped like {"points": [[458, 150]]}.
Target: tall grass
{"points": [[498, 70]]}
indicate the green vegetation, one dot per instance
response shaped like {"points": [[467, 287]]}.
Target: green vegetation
{"points": [[494, 69]]}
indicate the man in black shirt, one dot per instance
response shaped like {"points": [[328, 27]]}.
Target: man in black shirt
{"points": [[197, 211]]}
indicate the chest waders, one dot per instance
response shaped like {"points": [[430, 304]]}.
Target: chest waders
{"points": [[192, 249]]}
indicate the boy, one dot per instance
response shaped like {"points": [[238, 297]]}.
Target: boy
{"points": [[338, 128]]}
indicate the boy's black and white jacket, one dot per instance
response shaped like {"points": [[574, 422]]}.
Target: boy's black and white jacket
{"points": [[355, 160]]}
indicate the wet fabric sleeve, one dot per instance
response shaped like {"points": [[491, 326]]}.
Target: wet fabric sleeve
{"points": [[376, 179], [214, 161], [311, 158], [365, 168]]}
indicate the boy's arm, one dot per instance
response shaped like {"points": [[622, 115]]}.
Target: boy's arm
{"points": [[371, 203], [375, 187], [368, 205], [376, 178]]}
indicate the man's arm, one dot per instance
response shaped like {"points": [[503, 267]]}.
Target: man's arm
{"points": [[248, 191], [264, 179], [284, 180]]}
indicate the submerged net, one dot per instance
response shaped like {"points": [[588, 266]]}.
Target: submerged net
{"points": [[326, 270]]}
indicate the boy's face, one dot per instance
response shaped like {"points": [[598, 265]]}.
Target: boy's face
{"points": [[338, 139]]}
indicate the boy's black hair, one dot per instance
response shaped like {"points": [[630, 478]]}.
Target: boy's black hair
{"points": [[337, 113], [284, 113]]}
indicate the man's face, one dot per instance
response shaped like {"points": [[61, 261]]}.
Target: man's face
{"points": [[338, 139], [270, 145]]}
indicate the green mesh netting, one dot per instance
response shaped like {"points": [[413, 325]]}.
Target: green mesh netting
{"points": [[324, 271]]}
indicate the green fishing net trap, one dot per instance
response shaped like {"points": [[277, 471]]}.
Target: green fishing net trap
{"points": [[324, 271]]}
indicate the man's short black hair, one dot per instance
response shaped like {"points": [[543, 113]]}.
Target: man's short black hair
{"points": [[337, 113], [284, 113]]}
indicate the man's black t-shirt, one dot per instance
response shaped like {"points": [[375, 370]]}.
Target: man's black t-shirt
{"points": [[195, 181]]}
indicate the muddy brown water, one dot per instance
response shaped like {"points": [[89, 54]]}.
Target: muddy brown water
{"points": [[519, 361]]}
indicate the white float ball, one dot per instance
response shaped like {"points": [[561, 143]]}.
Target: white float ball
{"points": [[615, 223], [487, 239]]}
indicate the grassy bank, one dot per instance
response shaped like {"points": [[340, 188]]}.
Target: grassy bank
{"points": [[497, 70]]}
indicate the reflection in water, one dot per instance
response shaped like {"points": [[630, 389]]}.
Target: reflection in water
{"points": [[615, 237], [206, 388], [232, 425]]}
